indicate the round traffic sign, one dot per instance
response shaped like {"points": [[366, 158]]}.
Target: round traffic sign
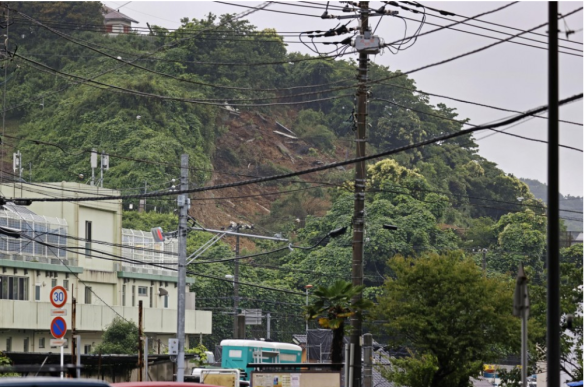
{"points": [[58, 327], [58, 296]]}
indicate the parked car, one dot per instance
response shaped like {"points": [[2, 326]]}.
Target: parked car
{"points": [[51, 382], [160, 384]]}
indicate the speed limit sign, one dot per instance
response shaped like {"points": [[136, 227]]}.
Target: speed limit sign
{"points": [[58, 296]]}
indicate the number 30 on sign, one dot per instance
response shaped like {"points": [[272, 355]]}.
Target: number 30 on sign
{"points": [[58, 296]]}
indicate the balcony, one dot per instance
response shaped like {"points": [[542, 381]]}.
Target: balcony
{"points": [[92, 318]]}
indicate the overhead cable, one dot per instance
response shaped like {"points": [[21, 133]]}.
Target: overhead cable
{"points": [[326, 166]]}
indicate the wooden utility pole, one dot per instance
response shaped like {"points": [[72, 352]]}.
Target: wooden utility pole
{"points": [[359, 198], [140, 347]]}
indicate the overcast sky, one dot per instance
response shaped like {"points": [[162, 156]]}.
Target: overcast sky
{"points": [[508, 75]]}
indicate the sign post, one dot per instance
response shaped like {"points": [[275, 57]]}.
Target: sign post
{"points": [[58, 326]]}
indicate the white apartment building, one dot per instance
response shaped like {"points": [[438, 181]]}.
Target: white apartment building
{"points": [[77, 245]]}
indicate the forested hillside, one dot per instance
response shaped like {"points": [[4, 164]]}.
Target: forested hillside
{"points": [[152, 98], [568, 202]]}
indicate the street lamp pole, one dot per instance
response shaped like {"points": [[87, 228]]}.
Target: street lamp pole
{"points": [[307, 287]]}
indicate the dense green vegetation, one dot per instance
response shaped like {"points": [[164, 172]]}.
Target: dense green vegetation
{"points": [[446, 200]]}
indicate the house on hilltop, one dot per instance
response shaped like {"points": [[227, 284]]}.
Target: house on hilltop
{"points": [[116, 22]]}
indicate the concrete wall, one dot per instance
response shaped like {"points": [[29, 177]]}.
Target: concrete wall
{"points": [[26, 315]]}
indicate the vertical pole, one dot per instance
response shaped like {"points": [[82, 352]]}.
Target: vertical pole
{"points": [[20, 166], [74, 348], [62, 362], [145, 360], [346, 366], [4, 93], [140, 349], [78, 361], [268, 325], [524, 356], [236, 286], [553, 333], [102, 170], [368, 360], [351, 365], [307, 320], [359, 203], [181, 283]]}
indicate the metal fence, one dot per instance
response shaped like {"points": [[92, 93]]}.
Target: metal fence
{"points": [[145, 253], [43, 236]]}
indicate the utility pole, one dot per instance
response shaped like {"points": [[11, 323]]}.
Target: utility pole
{"points": [[553, 316], [236, 284], [522, 310], [140, 347], [183, 202], [359, 198], [73, 332]]}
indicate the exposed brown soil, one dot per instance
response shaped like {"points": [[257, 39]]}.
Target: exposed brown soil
{"points": [[251, 139]]}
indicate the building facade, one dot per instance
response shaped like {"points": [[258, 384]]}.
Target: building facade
{"points": [[106, 269]]}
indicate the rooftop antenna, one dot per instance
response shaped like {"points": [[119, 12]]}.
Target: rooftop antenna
{"points": [[17, 163], [93, 160], [105, 164]]}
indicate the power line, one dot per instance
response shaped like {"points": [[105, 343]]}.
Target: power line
{"points": [[487, 36], [331, 165], [86, 45], [269, 10], [118, 89], [472, 125], [162, 47], [473, 103], [488, 22], [379, 80]]}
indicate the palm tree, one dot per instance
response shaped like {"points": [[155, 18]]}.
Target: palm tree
{"points": [[332, 306]]}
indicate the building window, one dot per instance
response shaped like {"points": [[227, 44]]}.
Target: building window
{"points": [[166, 301], [88, 239], [87, 349], [53, 282], [123, 295], [13, 288], [133, 295], [66, 284], [150, 298], [42, 342], [9, 344], [88, 295], [25, 345], [37, 292], [142, 291]]}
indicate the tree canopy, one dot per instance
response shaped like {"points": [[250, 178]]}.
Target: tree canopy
{"points": [[449, 314]]}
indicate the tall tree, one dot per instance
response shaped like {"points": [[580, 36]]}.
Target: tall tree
{"points": [[449, 315]]}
